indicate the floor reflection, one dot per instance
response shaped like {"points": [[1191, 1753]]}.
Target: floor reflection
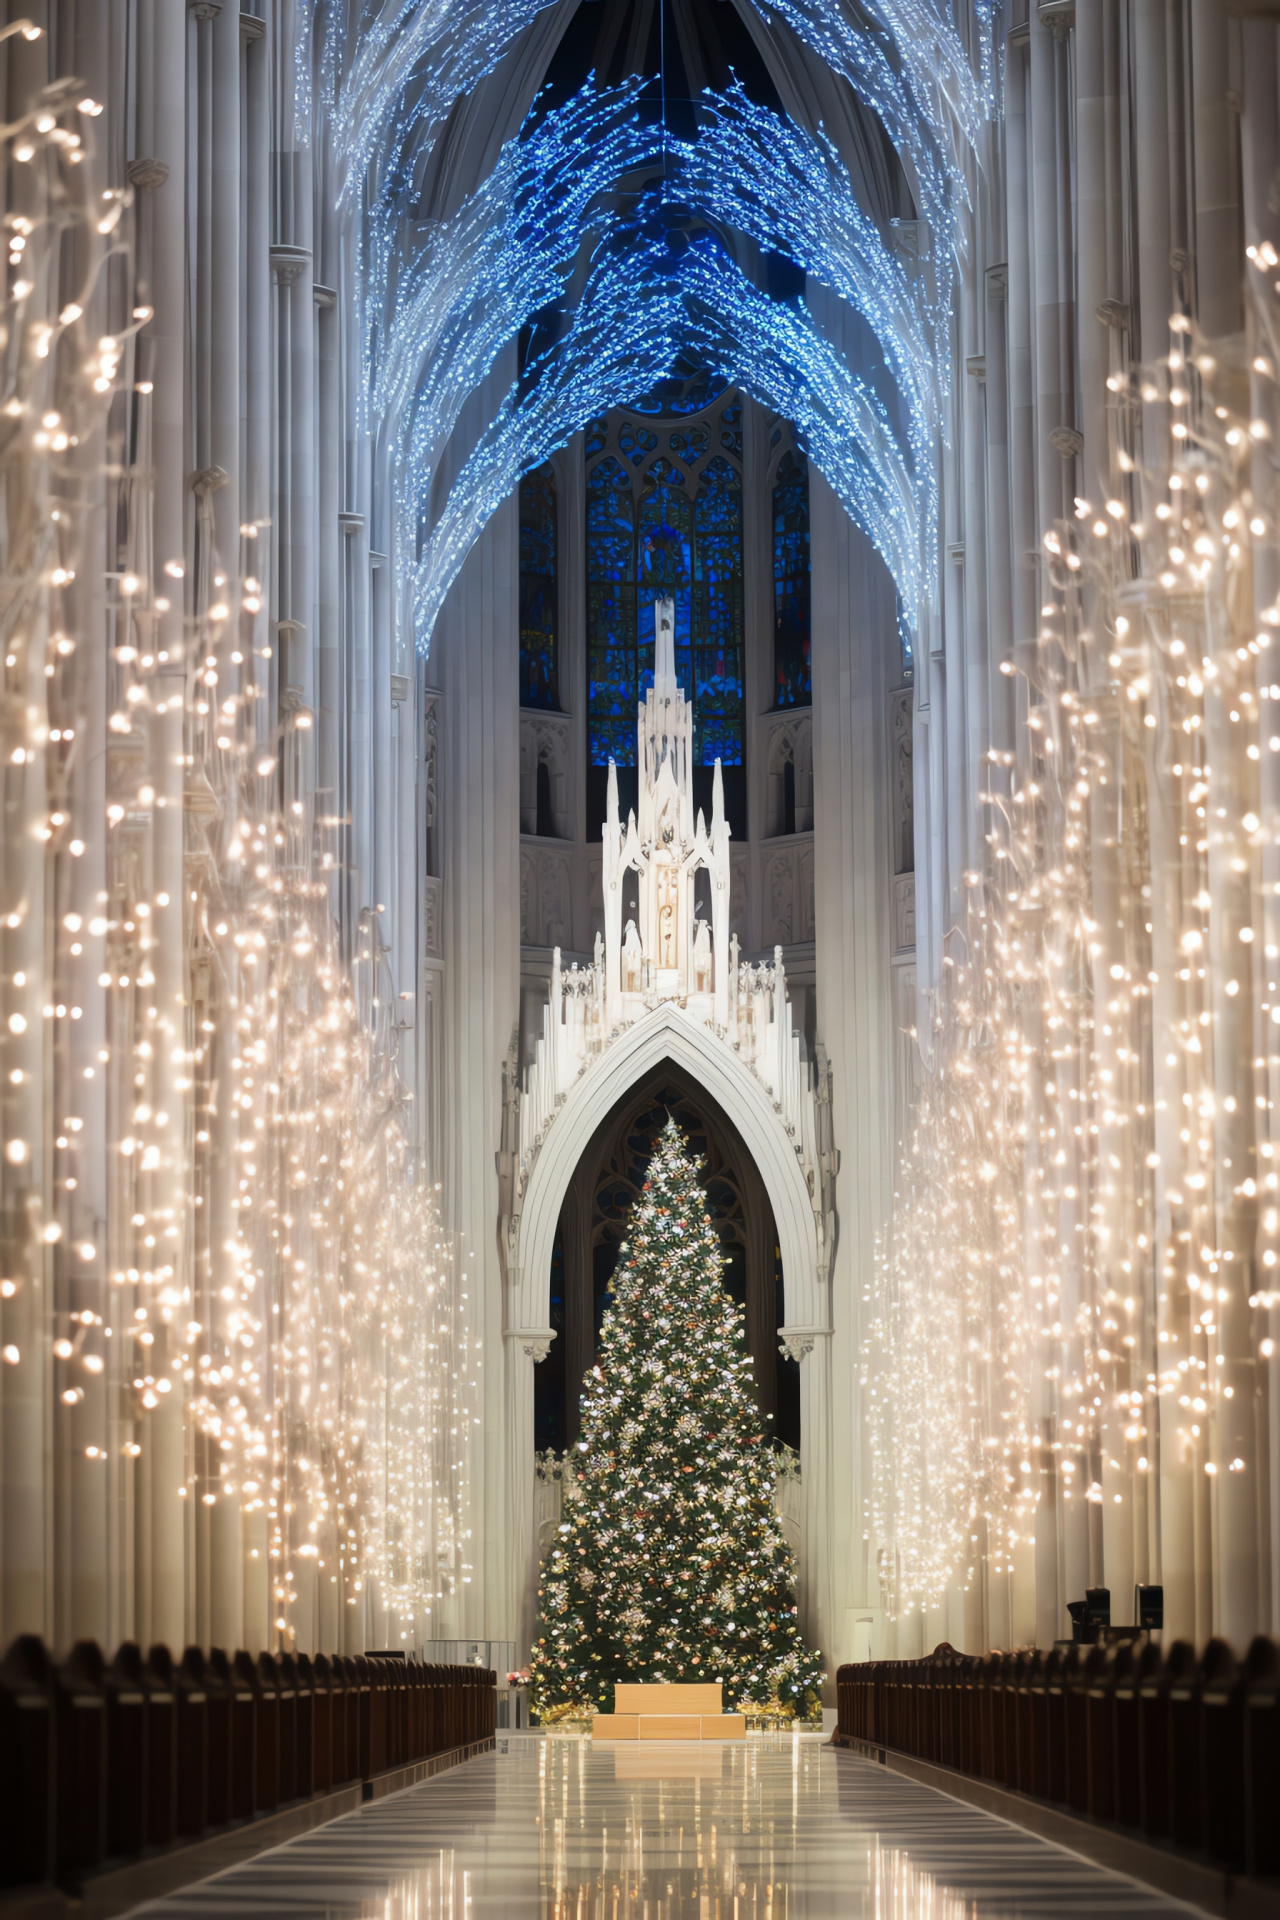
{"points": [[774, 1829], [777, 1828]]}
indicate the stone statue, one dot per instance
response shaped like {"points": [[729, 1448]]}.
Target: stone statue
{"points": [[631, 959], [702, 957], [667, 899]]}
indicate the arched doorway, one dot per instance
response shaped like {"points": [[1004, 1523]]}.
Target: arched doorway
{"points": [[593, 1222]]}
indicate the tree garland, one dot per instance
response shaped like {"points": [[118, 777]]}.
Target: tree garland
{"points": [[671, 1563]]}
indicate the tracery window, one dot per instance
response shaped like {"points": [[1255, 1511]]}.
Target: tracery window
{"points": [[539, 586], [664, 517], [793, 681], [611, 612]]}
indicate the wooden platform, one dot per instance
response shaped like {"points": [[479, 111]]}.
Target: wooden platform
{"points": [[668, 1712]]}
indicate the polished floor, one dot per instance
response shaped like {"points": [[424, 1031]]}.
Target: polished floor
{"points": [[775, 1829]]}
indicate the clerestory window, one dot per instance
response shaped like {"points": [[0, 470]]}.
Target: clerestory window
{"points": [[664, 517], [539, 589], [793, 680]]}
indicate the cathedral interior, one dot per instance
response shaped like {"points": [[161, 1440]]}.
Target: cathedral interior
{"points": [[578, 562]]}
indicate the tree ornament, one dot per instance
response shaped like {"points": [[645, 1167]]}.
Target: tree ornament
{"points": [[645, 1582]]}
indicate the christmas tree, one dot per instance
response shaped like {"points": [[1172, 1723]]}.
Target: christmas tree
{"points": [[671, 1563]]}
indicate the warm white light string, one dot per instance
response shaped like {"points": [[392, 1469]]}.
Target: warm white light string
{"points": [[1076, 1294], [258, 1291]]}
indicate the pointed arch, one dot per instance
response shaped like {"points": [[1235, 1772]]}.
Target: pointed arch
{"points": [[666, 1034]]}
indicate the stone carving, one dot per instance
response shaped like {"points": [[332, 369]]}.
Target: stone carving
{"points": [[526, 893], [740, 894], [797, 1346], [544, 740], [544, 898], [553, 889], [632, 960], [287, 264], [668, 908], [665, 849], [788, 890], [804, 893], [431, 776], [790, 743], [779, 887], [702, 958], [669, 953], [431, 917], [904, 913]]}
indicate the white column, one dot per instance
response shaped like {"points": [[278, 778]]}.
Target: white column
{"points": [[1219, 243], [854, 643], [162, 1596], [475, 662]]}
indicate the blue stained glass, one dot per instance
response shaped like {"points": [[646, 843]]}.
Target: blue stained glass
{"points": [[688, 390], [636, 442], [539, 674], [670, 546], [597, 437], [611, 614], [791, 613], [690, 443], [717, 616], [666, 537], [731, 429]]}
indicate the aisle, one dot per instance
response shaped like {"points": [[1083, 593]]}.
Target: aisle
{"points": [[780, 1829]]}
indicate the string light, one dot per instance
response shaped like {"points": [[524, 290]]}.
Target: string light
{"points": [[213, 1219], [1077, 1282], [641, 306]]}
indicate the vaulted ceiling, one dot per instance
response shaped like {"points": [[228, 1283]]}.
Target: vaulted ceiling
{"points": [[692, 45]]}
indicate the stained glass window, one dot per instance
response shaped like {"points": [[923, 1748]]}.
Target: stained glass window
{"points": [[672, 530], [666, 541], [689, 390], [689, 443], [611, 614], [793, 682], [539, 682], [636, 442], [717, 615]]}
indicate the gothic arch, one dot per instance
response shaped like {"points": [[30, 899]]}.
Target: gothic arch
{"points": [[595, 1220], [666, 1034]]}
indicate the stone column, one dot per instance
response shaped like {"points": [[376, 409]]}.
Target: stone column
{"points": [[1050, 249], [1153, 222], [1096, 194], [162, 1586], [26, 1384], [227, 448], [474, 655], [1260, 154], [1218, 238], [999, 531], [854, 643]]}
